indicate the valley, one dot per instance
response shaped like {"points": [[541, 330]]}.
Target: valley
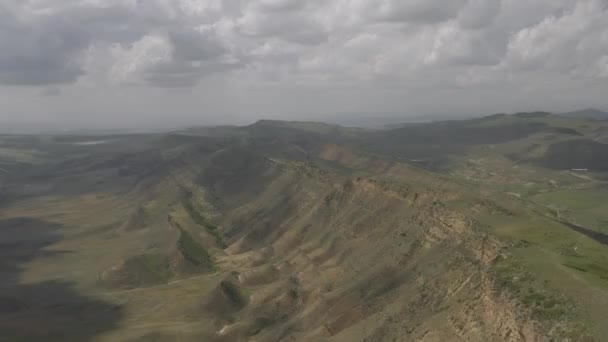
{"points": [[475, 230]]}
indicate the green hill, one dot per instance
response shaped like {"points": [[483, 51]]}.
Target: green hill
{"points": [[590, 113]]}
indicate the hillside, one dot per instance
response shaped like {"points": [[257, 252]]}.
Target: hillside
{"points": [[473, 230], [590, 113]]}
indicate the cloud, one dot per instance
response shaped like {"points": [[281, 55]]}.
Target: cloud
{"points": [[178, 43], [479, 13], [292, 21], [574, 42], [51, 91], [43, 46], [417, 11], [150, 42], [457, 47]]}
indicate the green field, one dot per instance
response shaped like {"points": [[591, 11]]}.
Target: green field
{"points": [[586, 207]]}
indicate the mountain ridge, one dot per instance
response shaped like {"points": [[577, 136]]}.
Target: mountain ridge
{"points": [[589, 113], [461, 230]]}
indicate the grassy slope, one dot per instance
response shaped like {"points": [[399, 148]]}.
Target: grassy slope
{"points": [[564, 267], [88, 218], [557, 272], [586, 207]]}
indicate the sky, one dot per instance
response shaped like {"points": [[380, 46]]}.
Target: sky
{"points": [[158, 63]]}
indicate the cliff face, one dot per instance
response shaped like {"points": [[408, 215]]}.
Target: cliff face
{"points": [[338, 247], [357, 258]]}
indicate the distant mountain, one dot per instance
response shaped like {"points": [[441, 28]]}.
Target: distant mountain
{"points": [[386, 119], [590, 113]]}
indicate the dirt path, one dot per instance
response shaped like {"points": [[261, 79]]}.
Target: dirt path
{"points": [[582, 176]]}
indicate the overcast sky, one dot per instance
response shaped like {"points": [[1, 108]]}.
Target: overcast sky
{"points": [[174, 62]]}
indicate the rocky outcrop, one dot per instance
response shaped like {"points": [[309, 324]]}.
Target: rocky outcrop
{"points": [[376, 260]]}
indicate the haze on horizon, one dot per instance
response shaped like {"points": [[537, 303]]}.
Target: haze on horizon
{"points": [[155, 63]]}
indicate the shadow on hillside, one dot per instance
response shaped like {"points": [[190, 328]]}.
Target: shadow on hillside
{"points": [[576, 154], [45, 311], [597, 236], [437, 140]]}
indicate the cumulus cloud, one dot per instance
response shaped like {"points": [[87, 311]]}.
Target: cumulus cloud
{"points": [[155, 42], [178, 43], [574, 42]]}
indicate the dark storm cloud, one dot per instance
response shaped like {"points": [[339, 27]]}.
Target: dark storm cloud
{"points": [[30, 56], [48, 48], [45, 49]]}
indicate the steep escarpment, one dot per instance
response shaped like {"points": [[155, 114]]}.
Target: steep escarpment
{"points": [[327, 257], [342, 247]]}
